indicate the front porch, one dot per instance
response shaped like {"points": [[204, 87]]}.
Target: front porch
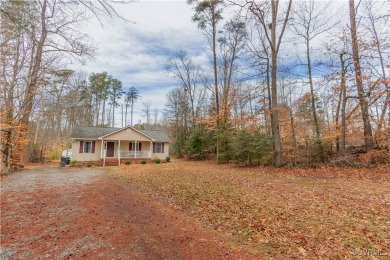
{"points": [[117, 151]]}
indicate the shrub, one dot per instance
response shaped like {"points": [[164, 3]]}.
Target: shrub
{"points": [[127, 162], [198, 143], [143, 162], [168, 159], [90, 164], [156, 160], [224, 137], [73, 163], [252, 148]]}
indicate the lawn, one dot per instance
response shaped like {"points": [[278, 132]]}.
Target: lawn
{"points": [[297, 212]]}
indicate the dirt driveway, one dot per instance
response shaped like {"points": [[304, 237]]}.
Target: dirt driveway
{"points": [[65, 213]]}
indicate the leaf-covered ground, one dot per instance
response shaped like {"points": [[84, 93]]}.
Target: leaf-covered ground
{"points": [[87, 213], [296, 212]]}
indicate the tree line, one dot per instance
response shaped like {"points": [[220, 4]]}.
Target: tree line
{"points": [[295, 82], [292, 82], [40, 96]]}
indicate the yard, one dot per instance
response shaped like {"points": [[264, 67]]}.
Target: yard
{"points": [[295, 212], [195, 210], [65, 213]]}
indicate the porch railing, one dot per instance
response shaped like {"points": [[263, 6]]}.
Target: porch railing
{"points": [[130, 154]]}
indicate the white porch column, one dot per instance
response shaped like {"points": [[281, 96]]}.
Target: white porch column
{"points": [[151, 149], [119, 153], [104, 154]]}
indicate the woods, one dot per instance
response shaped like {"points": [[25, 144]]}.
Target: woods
{"points": [[39, 40], [298, 73], [286, 83]]}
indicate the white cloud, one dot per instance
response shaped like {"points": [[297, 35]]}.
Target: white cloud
{"points": [[136, 53]]}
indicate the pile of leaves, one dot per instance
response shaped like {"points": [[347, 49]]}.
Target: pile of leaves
{"points": [[298, 212]]}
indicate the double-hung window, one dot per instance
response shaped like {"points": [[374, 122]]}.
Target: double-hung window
{"points": [[87, 147], [158, 148]]}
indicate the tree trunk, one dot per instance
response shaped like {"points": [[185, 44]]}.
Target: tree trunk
{"points": [[312, 96], [294, 138], [126, 106], [337, 119], [343, 106], [33, 78], [214, 36], [104, 111], [6, 131], [369, 143], [131, 118], [275, 113]]}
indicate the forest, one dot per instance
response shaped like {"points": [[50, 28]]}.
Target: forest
{"points": [[288, 82]]}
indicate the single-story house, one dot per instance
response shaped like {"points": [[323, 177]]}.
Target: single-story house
{"points": [[105, 145]]}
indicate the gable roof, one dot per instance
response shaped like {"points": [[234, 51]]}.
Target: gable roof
{"points": [[91, 132], [157, 135]]}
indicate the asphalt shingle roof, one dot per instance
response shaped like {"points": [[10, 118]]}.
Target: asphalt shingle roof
{"points": [[157, 135], [91, 132]]}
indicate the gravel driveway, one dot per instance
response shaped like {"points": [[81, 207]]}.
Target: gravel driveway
{"points": [[67, 213]]}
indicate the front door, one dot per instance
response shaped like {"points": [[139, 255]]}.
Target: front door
{"points": [[110, 149]]}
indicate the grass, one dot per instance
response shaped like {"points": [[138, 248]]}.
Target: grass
{"points": [[323, 212]]}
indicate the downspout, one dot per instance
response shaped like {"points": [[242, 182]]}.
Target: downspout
{"points": [[101, 150], [104, 155]]}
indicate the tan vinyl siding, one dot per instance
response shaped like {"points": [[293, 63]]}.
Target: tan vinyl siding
{"points": [[164, 155], [81, 157], [127, 134]]}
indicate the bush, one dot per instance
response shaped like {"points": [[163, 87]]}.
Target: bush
{"points": [[143, 162], [90, 164], [198, 143], [73, 163], [127, 162], [252, 148], [156, 160], [225, 146], [168, 159]]}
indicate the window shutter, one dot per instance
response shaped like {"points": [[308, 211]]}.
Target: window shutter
{"points": [[162, 147], [154, 148], [93, 146], [81, 150], [130, 146], [140, 147]]}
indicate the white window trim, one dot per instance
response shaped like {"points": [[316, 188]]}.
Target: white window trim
{"points": [[85, 147], [158, 148]]}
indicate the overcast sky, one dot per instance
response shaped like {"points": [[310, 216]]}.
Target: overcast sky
{"points": [[136, 53]]}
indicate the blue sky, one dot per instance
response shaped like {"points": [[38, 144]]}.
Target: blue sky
{"points": [[136, 53]]}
